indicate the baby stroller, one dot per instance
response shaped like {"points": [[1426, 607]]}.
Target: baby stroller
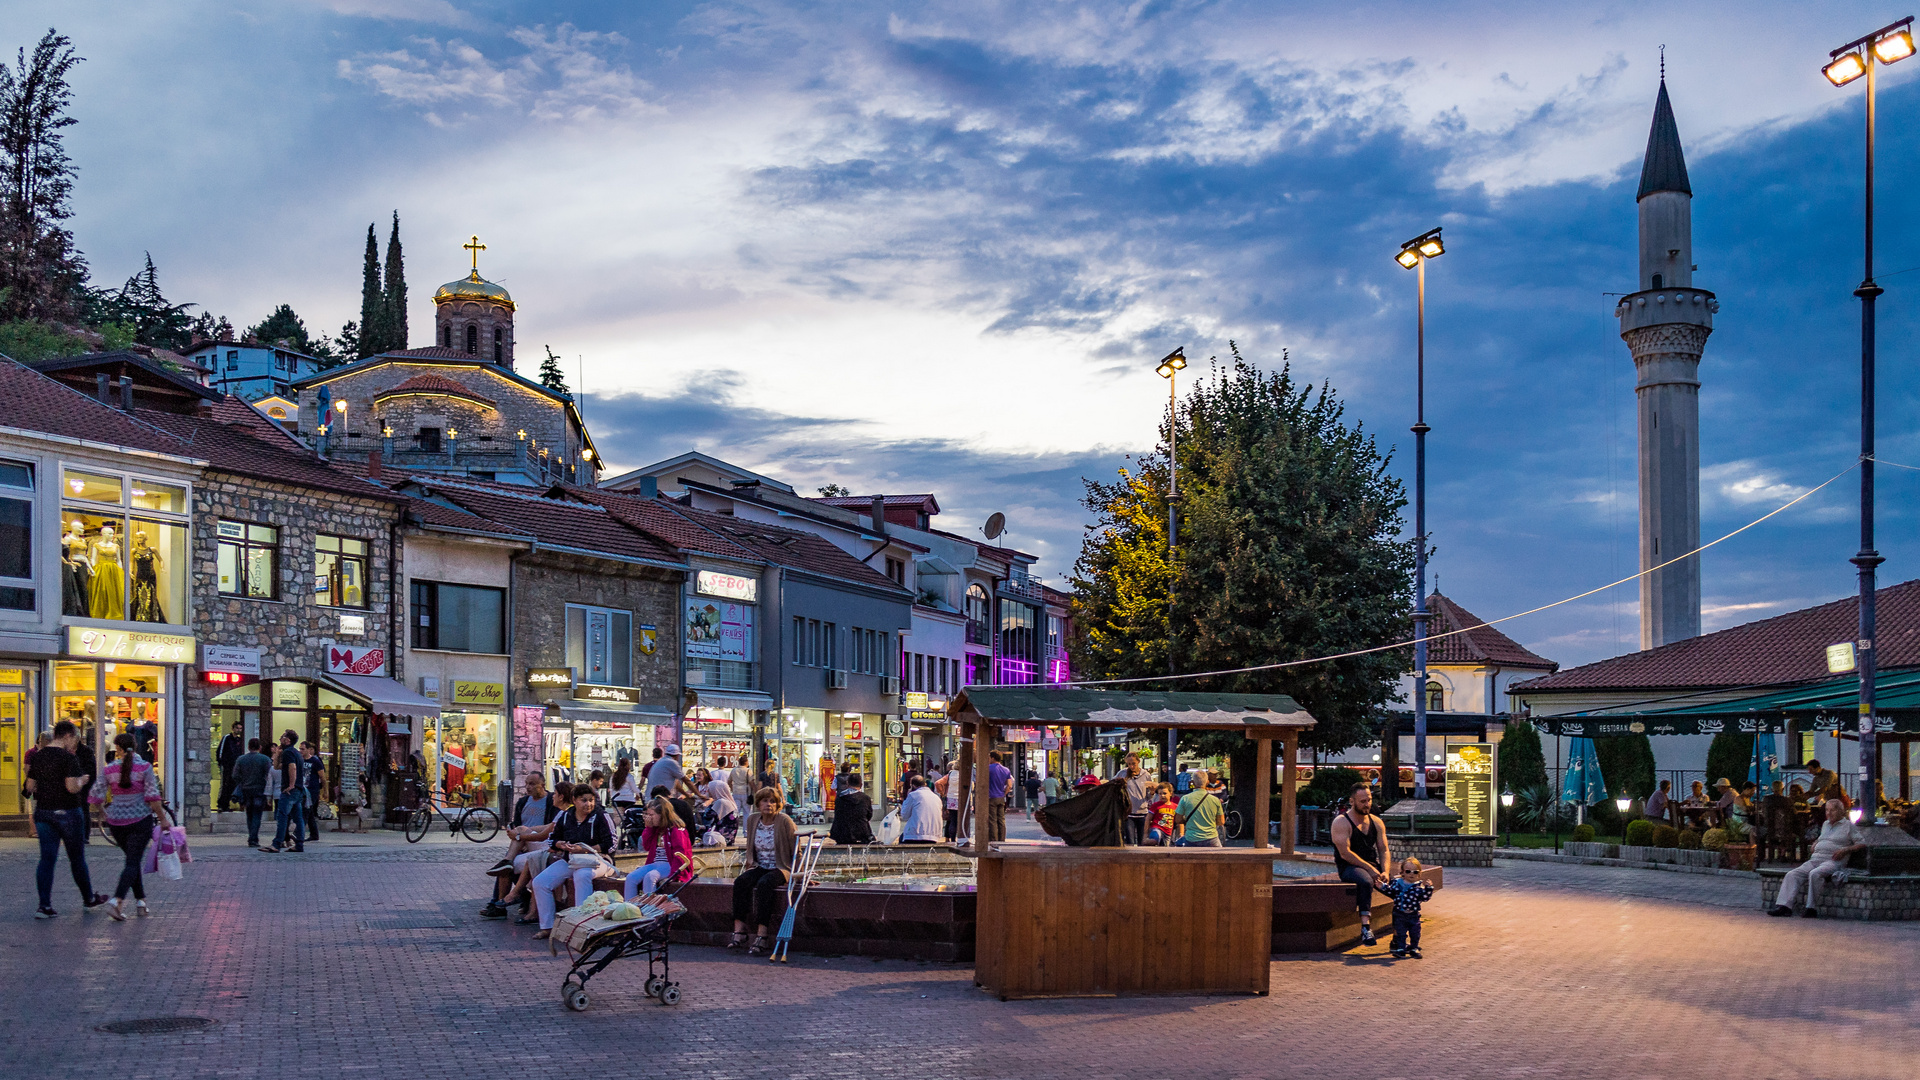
{"points": [[593, 943], [632, 824]]}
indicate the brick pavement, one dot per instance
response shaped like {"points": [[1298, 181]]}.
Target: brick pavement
{"points": [[1532, 971]]}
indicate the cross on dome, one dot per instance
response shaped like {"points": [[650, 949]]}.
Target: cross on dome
{"points": [[475, 247]]}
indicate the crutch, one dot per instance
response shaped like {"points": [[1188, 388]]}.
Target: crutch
{"points": [[804, 861]]}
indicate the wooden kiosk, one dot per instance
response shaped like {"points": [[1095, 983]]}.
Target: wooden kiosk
{"points": [[1057, 921]]}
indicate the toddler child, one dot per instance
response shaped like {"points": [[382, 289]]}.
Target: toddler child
{"points": [[1161, 813], [1408, 893]]}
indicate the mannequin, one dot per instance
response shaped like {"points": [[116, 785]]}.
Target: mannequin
{"points": [[76, 571], [146, 582], [107, 598]]}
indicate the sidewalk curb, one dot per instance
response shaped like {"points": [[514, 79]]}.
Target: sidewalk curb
{"points": [[1522, 855]]}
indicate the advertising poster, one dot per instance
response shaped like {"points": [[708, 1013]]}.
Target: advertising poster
{"points": [[529, 747], [719, 630], [1470, 786]]}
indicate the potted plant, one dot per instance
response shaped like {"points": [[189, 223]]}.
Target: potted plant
{"points": [[1738, 852]]}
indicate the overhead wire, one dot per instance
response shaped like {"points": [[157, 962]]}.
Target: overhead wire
{"points": [[1782, 508]]}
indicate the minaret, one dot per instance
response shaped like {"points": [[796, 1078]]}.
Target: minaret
{"points": [[1666, 324]]}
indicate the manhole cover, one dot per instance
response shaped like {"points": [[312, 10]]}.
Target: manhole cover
{"points": [[158, 1025], [409, 922]]}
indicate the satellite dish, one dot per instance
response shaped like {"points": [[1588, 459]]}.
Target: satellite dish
{"points": [[996, 525]]}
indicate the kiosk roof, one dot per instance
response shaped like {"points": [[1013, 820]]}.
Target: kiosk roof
{"points": [[1069, 706]]}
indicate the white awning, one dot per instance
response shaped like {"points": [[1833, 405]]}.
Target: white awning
{"points": [[730, 699], [624, 714], [385, 696]]}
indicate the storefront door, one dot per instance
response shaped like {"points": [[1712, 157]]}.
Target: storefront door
{"points": [[106, 699], [16, 734]]}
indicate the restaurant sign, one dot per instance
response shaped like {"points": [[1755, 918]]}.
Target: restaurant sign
{"points": [[540, 678], [618, 695], [1470, 786], [479, 693], [94, 642], [914, 700], [1601, 728]]}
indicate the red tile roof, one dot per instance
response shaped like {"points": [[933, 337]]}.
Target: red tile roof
{"points": [[234, 437], [558, 522], [861, 502], [1785, 649], [1484, 645], [36, 402], [429, 382]]}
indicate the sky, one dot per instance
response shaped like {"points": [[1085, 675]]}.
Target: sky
{"points": [[940, 246]]}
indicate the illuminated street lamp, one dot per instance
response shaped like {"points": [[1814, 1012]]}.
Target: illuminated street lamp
{"points": [[1413, 256], [1887, 45], [1170, 367], [1506, 813]]}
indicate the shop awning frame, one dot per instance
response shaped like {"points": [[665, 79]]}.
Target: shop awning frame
{"points": [[750, 700], [651, 716], [388, 697], [1828, 705]]}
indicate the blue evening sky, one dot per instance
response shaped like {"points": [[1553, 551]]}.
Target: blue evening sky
{"points": [[940, 245]]}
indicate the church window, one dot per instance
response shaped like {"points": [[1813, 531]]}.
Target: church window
{"points": [[1656, 281], [473, 339], [430, 439], [446, 337], [499, 346], [1436, 697]]}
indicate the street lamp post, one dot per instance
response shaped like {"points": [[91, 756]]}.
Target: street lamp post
{"points": [[1413, 256], [1170, 366], [1506, 813], [1887, 45]]}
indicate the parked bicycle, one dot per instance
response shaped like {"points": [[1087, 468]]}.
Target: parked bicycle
{"points": [[476, 823]]}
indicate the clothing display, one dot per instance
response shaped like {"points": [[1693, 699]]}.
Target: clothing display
{"points": [[75, 585], [146, 585], [106, 598]]}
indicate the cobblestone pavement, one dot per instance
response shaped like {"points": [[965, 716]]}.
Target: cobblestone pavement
{"points": [[346, 964]]}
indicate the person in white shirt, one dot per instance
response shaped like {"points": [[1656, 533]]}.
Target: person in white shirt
{"points": [[1839, 838], [920, 818]]}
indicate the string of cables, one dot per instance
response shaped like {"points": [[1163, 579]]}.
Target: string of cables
{"points": [[1782, 508]]}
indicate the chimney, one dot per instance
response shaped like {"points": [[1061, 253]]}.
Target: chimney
{"points": [[100, 389], [126, 393], [880, 514], [373, 466], [649, 487]]}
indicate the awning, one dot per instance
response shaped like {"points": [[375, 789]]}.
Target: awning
{"points": [[1260, 715], [1828, 705], [629, 714], [703, 698], [386, 696]]}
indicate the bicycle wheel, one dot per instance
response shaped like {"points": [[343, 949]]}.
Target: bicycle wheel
{"points": [[418, 824], [1236, 825], [479, 824]]}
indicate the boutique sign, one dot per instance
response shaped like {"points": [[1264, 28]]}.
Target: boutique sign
{"points": [[727, 586], [618, 695], [92, 642]]}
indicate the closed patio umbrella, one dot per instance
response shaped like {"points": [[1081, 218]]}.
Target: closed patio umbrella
{"points": [[1765, 767], [1583, 785]]}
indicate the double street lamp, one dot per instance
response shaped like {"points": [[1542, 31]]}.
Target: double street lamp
{"points": [[1170, 366], [1413, 256], [1889, 44]]}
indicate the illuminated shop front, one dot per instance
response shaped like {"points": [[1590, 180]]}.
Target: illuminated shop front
{"points": [[117, 681], [812, 744]]}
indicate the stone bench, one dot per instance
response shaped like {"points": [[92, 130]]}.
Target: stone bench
{"points": [[1870, 897]]}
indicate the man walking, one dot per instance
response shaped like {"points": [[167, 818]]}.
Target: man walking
{"points": [[1138, 787], [999, 787], [289, 820], [315, 777], [1840, 837], [231, 747], [251, 771], [56, 780]]}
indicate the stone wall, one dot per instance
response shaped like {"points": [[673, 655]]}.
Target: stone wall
{"points": [[544, 584], [1463, 850], [1872, 899], [291, 630], [487, 432]]}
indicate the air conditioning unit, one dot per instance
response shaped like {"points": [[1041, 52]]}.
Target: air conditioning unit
{"points": [[889, 685], [836, 679]]}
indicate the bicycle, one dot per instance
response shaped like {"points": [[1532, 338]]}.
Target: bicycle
{"points": [[476, 823]]}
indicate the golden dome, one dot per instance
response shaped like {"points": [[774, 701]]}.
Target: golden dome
{"points": [[472, 287]]}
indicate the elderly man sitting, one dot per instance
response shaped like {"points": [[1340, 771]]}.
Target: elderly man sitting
{"points": [[1839, 838]]}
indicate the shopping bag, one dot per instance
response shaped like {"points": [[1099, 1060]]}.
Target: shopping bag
{"points": [[177, 843], [890, 828], [150, 862], [170, 866]]}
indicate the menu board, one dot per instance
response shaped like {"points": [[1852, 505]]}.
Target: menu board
{"points": [[1470, 786]]}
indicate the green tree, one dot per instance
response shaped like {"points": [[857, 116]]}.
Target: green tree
{"points": [[551, 376], [1522, 765], [141, 305], [1626, 763], [373, 303], [42, 274], [394, 297], [835, 491], [282, 325], [1729, 755], [1289, 549]]}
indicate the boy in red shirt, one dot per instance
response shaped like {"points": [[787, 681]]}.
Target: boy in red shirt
{"points": [[1161, 816]]}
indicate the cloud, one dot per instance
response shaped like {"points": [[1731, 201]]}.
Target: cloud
{"points": [[439, 12], [562, 75]]}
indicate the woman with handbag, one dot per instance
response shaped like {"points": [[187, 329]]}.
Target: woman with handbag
{"points": [[130, 794], [668, 850], [582, 841], [771, 839]]}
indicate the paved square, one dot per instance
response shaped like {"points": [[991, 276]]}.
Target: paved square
{"points": [[371, 962]]}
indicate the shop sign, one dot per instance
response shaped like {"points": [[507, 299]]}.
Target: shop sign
{"points": [[479, 693], [1020, 734], [1470, 786], [649, 639], [1050, 741], [529, 748], [719, 631], [353, 626], [539, 678], [729, 586], [288, 694], [896, 729], [92, 641], [926, 714], [354, 660], [12, 676], [228, 659], [914, 700], [623, 695]]}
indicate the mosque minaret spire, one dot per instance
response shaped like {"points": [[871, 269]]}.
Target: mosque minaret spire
{"points": [[1665, 323]]}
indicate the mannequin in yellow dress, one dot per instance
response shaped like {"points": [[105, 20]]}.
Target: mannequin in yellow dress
{"points": [[107, 599]]}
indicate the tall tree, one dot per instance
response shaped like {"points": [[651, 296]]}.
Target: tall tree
{"points": [[142, 306], [551, 376], [395, 297], [373, 303], [1289, 550], [1626, 763], [282, 325], [42, 275]]}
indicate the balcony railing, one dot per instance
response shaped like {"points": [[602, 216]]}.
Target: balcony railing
{"points": [[1022, 588]]}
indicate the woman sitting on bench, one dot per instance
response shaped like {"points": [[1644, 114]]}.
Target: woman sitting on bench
{"points": [[668, 851], [582, 843]]}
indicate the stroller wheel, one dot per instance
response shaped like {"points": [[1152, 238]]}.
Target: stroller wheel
{"points": [[670, 994], [575, 996], [655, 984]]}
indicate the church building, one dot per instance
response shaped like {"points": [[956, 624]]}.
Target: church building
{"points": [[455, 407]]}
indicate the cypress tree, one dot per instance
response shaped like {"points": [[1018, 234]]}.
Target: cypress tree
{"points": [[1730, 755], [1522, 765], [396, 292], [551, 376], [373, 314]]}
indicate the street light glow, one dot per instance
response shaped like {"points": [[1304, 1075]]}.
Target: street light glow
{"points": [[1432, 247], [1895, 46], [1408, 258], [1172, 362], [1425, 246], [1846, 69]]}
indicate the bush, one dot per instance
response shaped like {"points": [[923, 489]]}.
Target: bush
{"points": [[1640, 833], [1714, 840], [1690, 839], [1522, 765], [1737, 831], [1729, 755], [1666, 836], [1606, 817], [1332, 783], [1583, 834], [1539, 809]]}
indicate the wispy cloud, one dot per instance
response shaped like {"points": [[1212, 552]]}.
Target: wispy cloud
{"points": [[565, 74]]}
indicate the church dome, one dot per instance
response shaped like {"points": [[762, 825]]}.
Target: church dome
{"points": [[472, 287]]}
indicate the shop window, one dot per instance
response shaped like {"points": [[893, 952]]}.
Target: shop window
{"points": [[249, 559], [459, 618], [16, 536], [600, 645], [153, 495], [340, 571], [117, 567], [89, 487]]}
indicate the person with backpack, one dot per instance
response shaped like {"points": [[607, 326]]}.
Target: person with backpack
{"points": [[129, 794]]}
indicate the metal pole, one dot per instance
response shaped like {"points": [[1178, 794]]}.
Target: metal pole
{"points": [[1420, 542], [1173, 502], [1868, 558]]}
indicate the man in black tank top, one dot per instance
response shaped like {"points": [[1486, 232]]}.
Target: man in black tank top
{"points": [[1360, 852]]}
